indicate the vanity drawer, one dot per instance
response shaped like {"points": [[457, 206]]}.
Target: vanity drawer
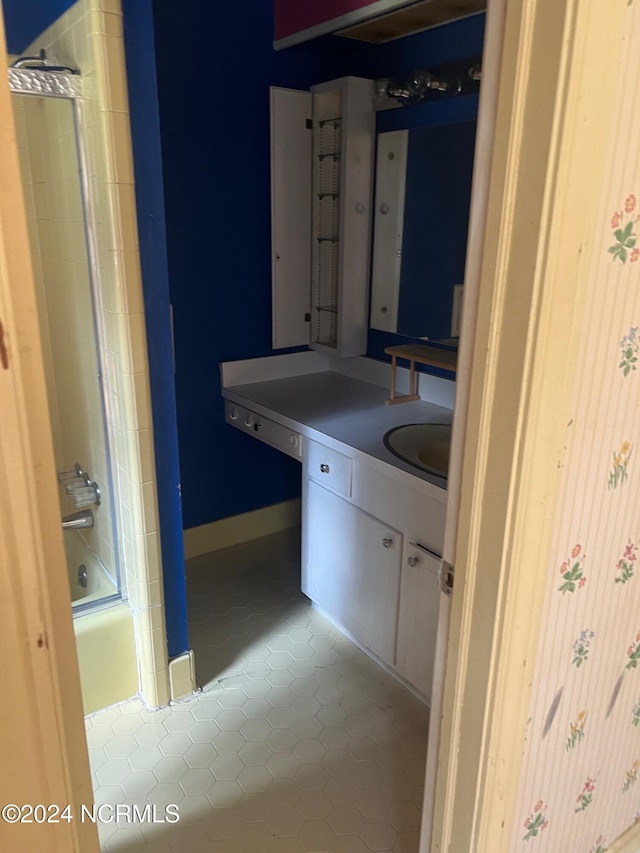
{"points": [[329, 468], [278, 436]]}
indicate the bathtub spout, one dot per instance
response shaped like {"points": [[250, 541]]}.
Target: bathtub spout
{"points": [[78, 520]]}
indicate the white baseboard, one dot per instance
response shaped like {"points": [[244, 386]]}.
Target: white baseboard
{"points": [[182, 676], [241, 528]]}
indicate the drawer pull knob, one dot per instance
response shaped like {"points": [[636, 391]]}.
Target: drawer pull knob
{"points": [[413, 561], [324, 468], [387, 542]]}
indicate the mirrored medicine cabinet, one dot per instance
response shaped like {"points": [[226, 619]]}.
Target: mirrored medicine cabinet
{"points": [[421, 220], [368, 229]]}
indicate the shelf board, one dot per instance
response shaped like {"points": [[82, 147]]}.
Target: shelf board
{"points": [[417, 354], [424, 354]]}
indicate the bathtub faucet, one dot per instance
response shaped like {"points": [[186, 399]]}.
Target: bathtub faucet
{"points": [[78, 520]]}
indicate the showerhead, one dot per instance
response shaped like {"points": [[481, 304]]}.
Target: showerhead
{"points": [[40, 63]]}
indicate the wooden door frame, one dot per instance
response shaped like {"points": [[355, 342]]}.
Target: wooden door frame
{"points": [[548, 163], [42, 738], [491, 63]]}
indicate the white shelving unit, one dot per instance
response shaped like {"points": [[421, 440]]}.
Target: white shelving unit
{"points": [[335, 197]]}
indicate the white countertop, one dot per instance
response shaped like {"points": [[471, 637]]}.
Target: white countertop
{"points": [[339, 410]]}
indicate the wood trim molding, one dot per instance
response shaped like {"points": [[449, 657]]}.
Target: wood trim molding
{"points": [[42, 738], [548, 155], [627, 843]]}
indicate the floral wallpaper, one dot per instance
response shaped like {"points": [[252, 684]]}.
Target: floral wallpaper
{"points": [[579, 788]]}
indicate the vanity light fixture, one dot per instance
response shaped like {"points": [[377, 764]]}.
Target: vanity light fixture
{"points": [[422, 85]]}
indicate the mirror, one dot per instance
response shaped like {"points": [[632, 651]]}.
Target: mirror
{"points": [[421, 219]]}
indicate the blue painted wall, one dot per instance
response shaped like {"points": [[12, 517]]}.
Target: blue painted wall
{"points": [[26, 19], [145, 133], [214, 73]]}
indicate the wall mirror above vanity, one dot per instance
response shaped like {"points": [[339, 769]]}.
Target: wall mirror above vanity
{"points": [[421, 218], [379, 241]]}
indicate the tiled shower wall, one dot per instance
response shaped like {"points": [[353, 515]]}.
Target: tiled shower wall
{"points": [[50, 177], [579, 787], [89, 37]]}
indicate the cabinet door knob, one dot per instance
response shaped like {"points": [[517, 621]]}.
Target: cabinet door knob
{"points": [[413, 561], [387, 542], [324, 468]]}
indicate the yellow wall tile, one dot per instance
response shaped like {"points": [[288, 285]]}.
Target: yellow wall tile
{"points": [[121, 142], [137, 335], [89, 36]]}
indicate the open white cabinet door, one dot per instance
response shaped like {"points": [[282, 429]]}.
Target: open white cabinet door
{"points": [[291, 141], [446, 636]]}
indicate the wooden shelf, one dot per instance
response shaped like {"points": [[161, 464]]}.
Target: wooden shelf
{"points": [[417, 354]]}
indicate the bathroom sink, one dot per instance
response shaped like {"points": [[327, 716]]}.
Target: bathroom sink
{"points": [[424, 445]]}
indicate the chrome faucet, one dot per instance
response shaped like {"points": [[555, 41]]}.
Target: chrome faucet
{"points": [[78, 520]]}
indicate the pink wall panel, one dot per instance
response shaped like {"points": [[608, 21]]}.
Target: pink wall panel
{"points": [[292, 16]]}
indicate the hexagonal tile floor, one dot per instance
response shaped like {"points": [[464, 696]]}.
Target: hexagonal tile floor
{"points": [[298, 742]]}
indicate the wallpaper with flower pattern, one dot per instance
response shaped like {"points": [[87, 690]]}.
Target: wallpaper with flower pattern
{"points": [[579, 787]]}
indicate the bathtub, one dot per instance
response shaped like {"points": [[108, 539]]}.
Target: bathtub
{"points": [[103, 625], [99, 582]]}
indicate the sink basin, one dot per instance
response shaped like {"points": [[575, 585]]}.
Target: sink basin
{"points": [[425, 446]]}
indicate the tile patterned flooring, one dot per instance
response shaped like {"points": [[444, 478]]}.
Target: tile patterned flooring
{"points": [[298, 741]]}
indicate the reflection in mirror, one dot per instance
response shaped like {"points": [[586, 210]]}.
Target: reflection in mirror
{"points": [[423, 193]]}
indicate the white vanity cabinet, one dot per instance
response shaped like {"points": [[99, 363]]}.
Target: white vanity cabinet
{"points": [[418, 616], [372, 529], [257, 425], [351, 568], [369, 559]]}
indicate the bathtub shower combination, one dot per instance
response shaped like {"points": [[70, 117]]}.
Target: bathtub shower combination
{"points": [[48, 110]]}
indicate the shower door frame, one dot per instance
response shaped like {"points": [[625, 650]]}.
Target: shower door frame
{"points": [[40, 83]]}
